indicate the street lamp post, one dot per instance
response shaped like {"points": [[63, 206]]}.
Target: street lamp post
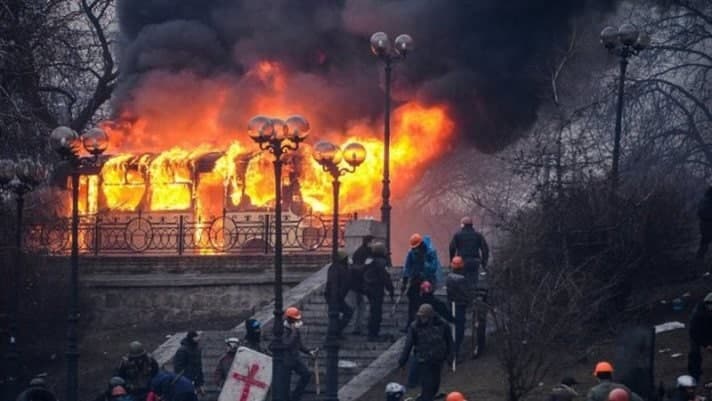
{"points": [[66, 142], [18, 178], [382, 48], [278, 137], [330, 156], [623, 42]]}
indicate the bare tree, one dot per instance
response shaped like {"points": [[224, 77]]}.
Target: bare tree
{"points": [[56, 67]]}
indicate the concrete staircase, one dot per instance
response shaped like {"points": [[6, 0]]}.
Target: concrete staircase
{"points": [[355, 354]]}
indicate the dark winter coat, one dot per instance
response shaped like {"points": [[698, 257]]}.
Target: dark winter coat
{"points": [[701, 325], [432, 342], [223, 368], [470, 245], [440, 307], [188, 360], [361, 254], [600, 391], [337, 282], [173, 387], [376, 278], [137, 372], [458, 289], [562, 392], [292, 340]]}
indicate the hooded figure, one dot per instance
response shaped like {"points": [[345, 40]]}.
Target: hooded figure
{"points": [[188, 360], [704, 212], [564, 391]]}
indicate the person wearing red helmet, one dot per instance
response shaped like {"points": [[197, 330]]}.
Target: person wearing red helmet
{"points": [[458, 292], [293, 348], [421, 264], [604, 373]]}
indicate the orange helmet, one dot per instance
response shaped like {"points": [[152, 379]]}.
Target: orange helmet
{"points": [[293, 313], [455, 396], [415, 240], [618, 394], [457, 263], [426, 287], [603, 367]]}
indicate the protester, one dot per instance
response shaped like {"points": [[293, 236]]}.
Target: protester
{"points": [[253, 336], [137, 368], [337, 286], [188, 360], [37, 391], [225, 362], [431, 340], [685, 387], [564, 391], [421, 264], [293, 361], [472, 247], [704, 213], [166, 386], [427, 296], [700, 335], [394, 391], [604, 373], [458, 293], [376, 280], [356, 296]]}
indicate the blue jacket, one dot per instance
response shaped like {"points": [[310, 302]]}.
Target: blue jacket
{"points": [[425, 268], [173, 388]]}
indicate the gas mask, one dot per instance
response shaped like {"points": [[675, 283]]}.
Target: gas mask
{"points": [[298, 324]]}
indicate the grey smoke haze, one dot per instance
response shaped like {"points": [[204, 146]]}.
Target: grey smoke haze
{"points": [[479, 57]]}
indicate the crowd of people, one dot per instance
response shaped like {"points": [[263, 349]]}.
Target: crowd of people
{"points": [[364, 278]]}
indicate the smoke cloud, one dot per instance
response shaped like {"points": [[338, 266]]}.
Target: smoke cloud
{"points": [[481, 57]]}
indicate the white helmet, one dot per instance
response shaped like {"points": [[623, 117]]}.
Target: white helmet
{"points": [[686, 381], [394, 388], [232, 340]]}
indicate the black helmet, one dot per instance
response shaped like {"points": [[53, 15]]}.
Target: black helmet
{"points": [[136, 349]]}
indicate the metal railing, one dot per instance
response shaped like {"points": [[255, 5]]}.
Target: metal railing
{"points": [[176, 234]]}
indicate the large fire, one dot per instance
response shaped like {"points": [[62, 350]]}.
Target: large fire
{"points": [[186, 160]]}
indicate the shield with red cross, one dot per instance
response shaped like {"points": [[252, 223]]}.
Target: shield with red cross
{"points": [[249, 378]]}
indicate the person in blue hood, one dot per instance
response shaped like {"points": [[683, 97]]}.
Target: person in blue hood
{"points": [[421, 264], [166, 386]]}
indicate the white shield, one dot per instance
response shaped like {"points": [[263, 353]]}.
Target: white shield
{"points": [[249, 378]]}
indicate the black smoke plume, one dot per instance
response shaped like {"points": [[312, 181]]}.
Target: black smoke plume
{"points": [[480, 57]]}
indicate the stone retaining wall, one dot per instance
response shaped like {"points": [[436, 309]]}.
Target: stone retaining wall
{"points": [[118, 291]]}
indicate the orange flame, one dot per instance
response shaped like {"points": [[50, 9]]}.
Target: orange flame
{"points": [[210, 166]]}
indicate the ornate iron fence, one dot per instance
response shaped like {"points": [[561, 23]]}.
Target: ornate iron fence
{"points": [[174, 234]]}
